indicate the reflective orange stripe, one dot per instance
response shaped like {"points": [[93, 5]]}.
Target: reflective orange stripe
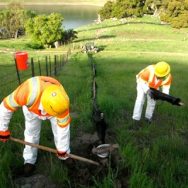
{"points": [[64, 114], [5, 133], [64, 119], [167, 81], [144, 74], [8, 106], [29, 94], [65, 124], [17, 98], [148, 75]]}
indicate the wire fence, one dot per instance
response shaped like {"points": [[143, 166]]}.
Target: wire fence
{"points": [[11, 76]]}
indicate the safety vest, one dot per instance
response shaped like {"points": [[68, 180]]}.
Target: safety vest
{"points": [[29, 94], [148, 75]]}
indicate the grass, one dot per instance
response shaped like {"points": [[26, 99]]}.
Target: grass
{"points": [[160, 155], [163, 140], [155, 155]]}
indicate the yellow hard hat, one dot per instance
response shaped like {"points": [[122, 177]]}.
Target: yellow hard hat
{"points": [[162, 69], [55, 100]]}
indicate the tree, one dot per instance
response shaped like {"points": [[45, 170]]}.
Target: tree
{"points": [[122, 9], [12, 19], [106, 11], [175, 12], [45, 30], [68, 36]]}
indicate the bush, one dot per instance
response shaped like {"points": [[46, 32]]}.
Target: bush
{"points": [[181, 21], [106, 11], [175, 13], [122, 9]]}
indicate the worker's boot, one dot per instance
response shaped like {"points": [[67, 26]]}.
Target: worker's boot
{"points": [[148, 121], [28, 169], [23, 171]]}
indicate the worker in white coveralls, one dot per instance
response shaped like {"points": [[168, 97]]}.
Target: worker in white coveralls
{"points": [[41, 98], [153, 76]]}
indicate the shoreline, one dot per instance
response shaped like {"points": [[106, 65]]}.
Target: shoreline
{"points": [[60, 3]]}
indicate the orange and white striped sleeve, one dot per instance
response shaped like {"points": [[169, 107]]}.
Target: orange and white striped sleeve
{"points": [[17, 98], [9, 105], [25, 94], [64, 120]]}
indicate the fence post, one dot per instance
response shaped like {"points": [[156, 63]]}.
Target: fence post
{"points": [[50, 66], [32, 68], [39, 68], [61, 60], [17, 72], [46, 65], [55, 65]]}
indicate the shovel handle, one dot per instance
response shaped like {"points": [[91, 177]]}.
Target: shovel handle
{"points": [[44, 148]]}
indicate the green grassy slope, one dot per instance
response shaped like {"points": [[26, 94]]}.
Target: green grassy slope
{"points": [[156, 156]]}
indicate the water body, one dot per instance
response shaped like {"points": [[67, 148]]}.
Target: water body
{"points": [[74, 15]]}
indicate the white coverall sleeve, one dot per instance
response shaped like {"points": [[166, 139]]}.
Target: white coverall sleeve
{"points": [[166, 89], [5, 116], [63, 139], [61, 136]]}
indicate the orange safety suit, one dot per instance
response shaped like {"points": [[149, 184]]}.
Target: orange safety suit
{"points": [[28, 96], [146, 79]]}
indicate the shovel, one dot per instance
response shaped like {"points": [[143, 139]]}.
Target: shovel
{"points": [[103, 150], [53, 151]]}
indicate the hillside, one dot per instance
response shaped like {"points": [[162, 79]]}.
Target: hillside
{"points": [[154, 156]]}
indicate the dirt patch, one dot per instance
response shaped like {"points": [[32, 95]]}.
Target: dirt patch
{"points": [[35, 181]]}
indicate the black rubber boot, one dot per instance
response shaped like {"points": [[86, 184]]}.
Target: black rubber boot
{"points": [[29, 169], [148, 121], [23, 171]]}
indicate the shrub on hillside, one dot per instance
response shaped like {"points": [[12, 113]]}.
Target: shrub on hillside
{"points": [[68, 36], [106, 11], [45, 30], [181, 21], [122, 9], [175, 13]]}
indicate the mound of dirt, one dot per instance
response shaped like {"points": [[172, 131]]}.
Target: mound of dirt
{"points": [[35, 181]]}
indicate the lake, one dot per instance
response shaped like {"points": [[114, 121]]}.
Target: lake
{"points": [[74, 15]]}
